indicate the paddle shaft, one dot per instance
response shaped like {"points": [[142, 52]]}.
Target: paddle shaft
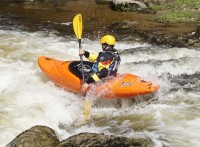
{"points": [[82, 71], [81, 58]]}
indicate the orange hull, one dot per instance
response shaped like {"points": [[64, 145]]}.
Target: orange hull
{"points": [[122, 86]]}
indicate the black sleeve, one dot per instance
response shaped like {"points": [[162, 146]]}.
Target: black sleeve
{"points": [[102, 73], [90, 80]]}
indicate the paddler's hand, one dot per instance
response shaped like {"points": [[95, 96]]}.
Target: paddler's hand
{"points": [[81, 52]]}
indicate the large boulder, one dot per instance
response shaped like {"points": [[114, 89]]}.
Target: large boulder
{"points": [[38, 136], [128, 5], [42, 136], [136, 5], [100, 140]]}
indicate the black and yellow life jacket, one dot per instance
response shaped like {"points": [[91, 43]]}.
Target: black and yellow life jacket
{"points": [[105, 64]]}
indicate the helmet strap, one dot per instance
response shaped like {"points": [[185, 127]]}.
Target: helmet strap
{"points": [[104, 46]]}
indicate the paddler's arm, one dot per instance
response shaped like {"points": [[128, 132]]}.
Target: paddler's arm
{"points": [[90, 56], [95, 77]]}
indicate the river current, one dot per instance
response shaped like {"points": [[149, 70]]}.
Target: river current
{"points": [[28, 98]]}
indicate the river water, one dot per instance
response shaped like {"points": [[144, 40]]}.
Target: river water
{"points": [[28, 98]]}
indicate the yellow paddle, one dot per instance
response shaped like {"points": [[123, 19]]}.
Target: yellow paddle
{"points": [[77, 25]]}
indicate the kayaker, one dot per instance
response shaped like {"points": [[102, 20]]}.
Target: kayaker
{"points": [[106, 63]]}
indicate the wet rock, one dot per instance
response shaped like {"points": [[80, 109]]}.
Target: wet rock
{"points": [[172, 40], [38, 136], [42, 136], [128, 5], [193, 43], [137, 5], [193, 40], [99, 140]]}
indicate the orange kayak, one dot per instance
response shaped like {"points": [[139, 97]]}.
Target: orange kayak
{"points": [[67, 74]]}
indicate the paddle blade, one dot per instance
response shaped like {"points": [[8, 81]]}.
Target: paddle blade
{"points": [[87, 107], [77, 25]]}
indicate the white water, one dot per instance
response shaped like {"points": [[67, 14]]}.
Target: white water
{"points": [[28, 98]]}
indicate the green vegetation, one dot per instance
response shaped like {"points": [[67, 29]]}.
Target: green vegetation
{"points": [[178, 11]]}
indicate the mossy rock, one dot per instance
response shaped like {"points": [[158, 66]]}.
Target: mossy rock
{"points": [[100, 140], [38, 136], [128, 6]]}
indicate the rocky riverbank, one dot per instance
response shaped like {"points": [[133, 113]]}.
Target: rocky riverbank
{"points": [[98, 19]]}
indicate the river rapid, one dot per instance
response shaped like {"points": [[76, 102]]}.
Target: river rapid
{"points": [[28, 98]]}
